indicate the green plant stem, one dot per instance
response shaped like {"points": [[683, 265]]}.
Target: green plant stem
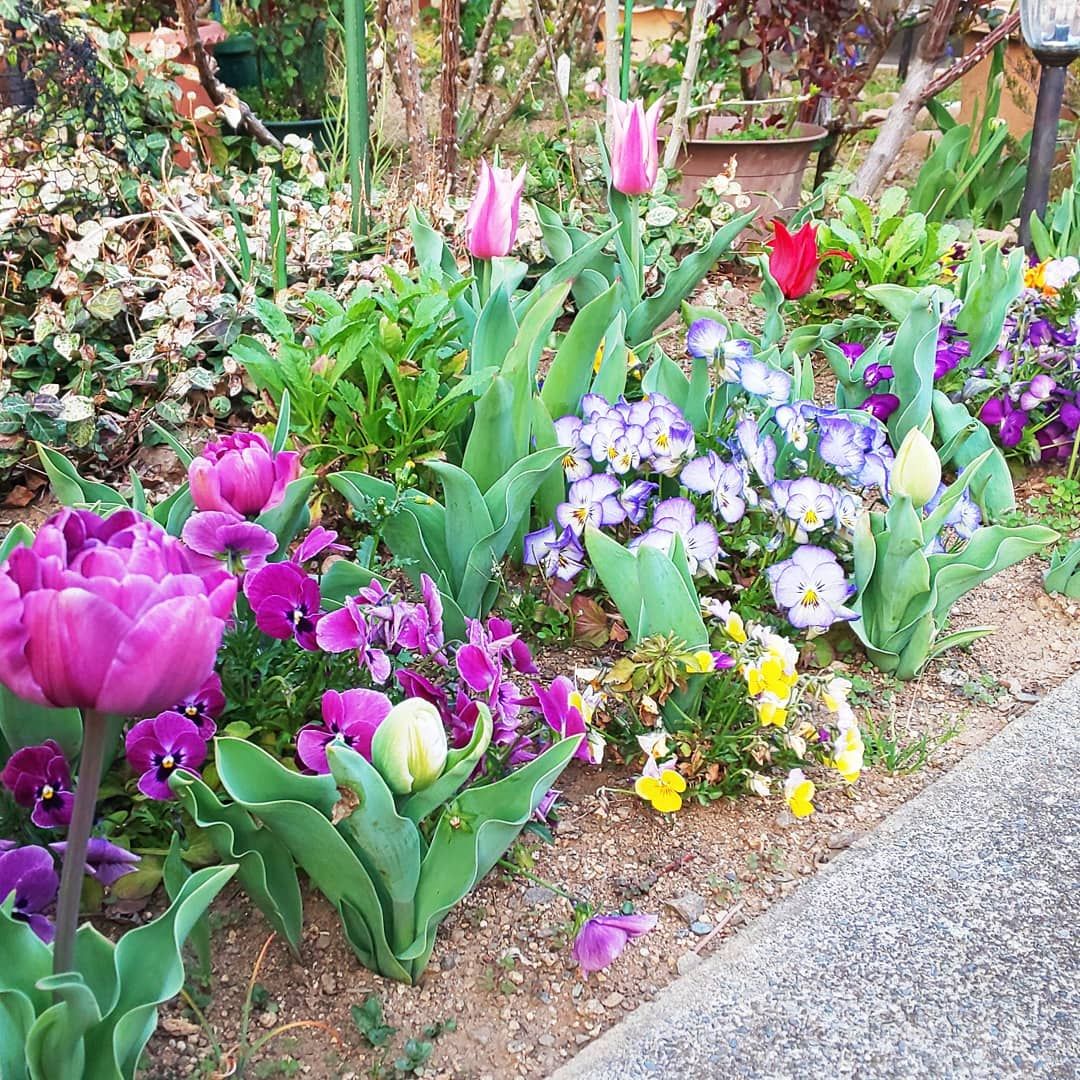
{"points": [[536, 880], [627, 45], [637, 251], [1072, 456], [78, 839]]}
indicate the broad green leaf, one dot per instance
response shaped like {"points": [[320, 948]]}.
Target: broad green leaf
{"points": [[571, 372], [618, 571], [22, 723], [912, 357], [563, 273], [467, 517], [610, 380], [495, 331], [669, 607], [71, 489], [19, 535], [552, 490]]}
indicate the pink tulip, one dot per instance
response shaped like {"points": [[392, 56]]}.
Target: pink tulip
{"points": [[492, 221], [634, 155], [241, 475], [107, 614]]}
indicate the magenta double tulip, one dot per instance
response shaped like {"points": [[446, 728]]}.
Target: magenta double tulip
{"points": [[106, 614], [492, 221], [634, 155], [241, 475]]}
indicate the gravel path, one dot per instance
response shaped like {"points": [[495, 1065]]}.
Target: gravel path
{"points": [[943, 944]]}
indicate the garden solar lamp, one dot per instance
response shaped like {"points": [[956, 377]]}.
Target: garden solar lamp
{"points": [[1052, 31]]}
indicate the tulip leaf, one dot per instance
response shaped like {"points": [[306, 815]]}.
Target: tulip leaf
{"points": [[290, 515], [22, 723], [19, 535], [343, 578], [988, 551], [958, 639], [467, 517], [460, 765], [552, 490], [987, 298], [617, 569], [264, 867], [175, 510], [666, 377], [73, 490], [610, 380], [912, 357], [55, 1046], [495, 331], [281, 429], [697, 393], [991, 483], [472, 835], [568, 378], [494, 439], [680, 283], [1062, 576], [16, 1019], [27, 959], [668, 606], [564, 272], [432, 252], [297, 810], [387, 844]]}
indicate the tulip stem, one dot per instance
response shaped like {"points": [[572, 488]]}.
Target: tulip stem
{"points": [[78, 839]]}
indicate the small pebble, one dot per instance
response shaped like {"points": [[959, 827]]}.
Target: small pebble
{"points": [[701, 928]]}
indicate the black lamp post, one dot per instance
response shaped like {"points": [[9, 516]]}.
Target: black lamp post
{"points": [[1052, 31]]}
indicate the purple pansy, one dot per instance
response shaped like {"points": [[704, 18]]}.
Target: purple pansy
{"points": [[106, 863], [877, 373], [560, 709], [29, 873], [635, 499], [812, 588], [241, 545], [557, 554], [204, 706], [722, 481], [881, 406], [576, 461], [286, 603], [39, 777], [603, 937], [758, 451], [348, 629], [352, 716], [158, 747], [807, 502], [593, 501], [705, 338]]}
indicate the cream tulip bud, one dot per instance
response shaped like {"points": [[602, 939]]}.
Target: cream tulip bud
{"points": [[409, 747], [916, 472]]}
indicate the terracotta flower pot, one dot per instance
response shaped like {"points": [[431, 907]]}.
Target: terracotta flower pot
{"points": [[770, 171]]}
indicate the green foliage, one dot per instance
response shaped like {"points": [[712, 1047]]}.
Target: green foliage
{"points": [[905, 596], [460, 542], [377, 384], [1063, 575], [1057, 234], [95, 1021], [976, 172], [393, 866]]}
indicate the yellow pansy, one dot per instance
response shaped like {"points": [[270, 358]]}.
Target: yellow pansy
{"points": [[598, 358], [662, 791], [770, 677], [578, 702], [1035, 277], [701, 661], [734, 627], [770, 712], [799, 793], [847, 757], [835, 693]]}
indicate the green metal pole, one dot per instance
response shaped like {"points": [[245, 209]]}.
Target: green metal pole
{"points": [[627, 42], [356, 105]]}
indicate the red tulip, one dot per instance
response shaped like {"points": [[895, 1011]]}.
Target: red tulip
{"points": [[794, 259]]}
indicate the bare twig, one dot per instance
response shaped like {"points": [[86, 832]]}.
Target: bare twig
{"points": [[407, 74], [541, 26], [962, 66], [720, 924], [448, 87], [686, 87], [529, 75], [479, 57], [218, 93]]}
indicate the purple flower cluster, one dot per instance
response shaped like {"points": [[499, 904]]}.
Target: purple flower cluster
{"points": [[735, 362], [1033, 387], [28, 876]]}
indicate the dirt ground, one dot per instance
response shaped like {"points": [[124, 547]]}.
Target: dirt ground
{"points": [[502, 984]]}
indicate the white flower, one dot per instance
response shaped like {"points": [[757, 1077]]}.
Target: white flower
{"points": [[1059, 272]]}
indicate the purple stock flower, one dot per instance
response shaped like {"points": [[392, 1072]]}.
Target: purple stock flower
{"points": [[106, 863], [241, 545], [285, 602], [352, 716], [881, 405], [593, 501], [852, 350], [241, 475], [204, 706], [29, 873], [721, 480], [108, 614], [558, 555], [603, 937], [38, 777], [158, 747], [812, 588], [315, 543], [420, 628]]}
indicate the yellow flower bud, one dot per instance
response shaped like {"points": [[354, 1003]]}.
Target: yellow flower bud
{"points": [[916, 472]]}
